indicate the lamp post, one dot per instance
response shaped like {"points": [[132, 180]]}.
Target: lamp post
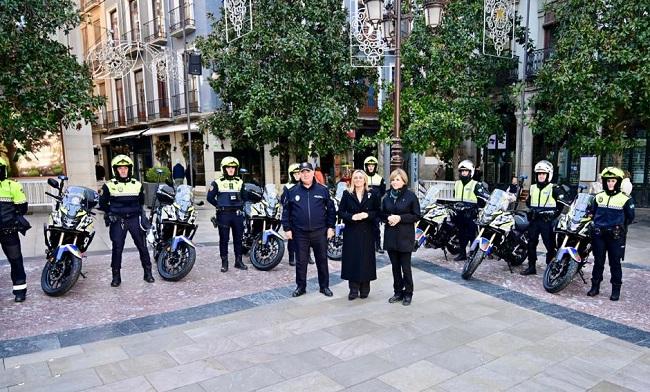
{"points": [[388, 18]]}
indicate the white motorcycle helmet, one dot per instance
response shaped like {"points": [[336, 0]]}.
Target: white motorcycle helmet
{"points": [[466, 165], [544, 166]]}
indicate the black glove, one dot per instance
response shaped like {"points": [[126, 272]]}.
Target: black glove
{"points": [[108, 219]]}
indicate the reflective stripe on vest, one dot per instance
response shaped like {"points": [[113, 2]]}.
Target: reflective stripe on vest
{"points": [[465, 193], [616, 202], [609, 209], [542, 198], [375, 180], [229, 192], [12, 192], [124, 189]]}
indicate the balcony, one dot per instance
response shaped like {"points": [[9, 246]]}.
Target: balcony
{"points": [[87, 5], [158, 110], [136, 114], [535, 61], [177, 15], [508, 75], [154, 31], [178, 103]]}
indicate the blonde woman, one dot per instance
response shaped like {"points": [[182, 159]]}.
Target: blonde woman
{"points": [[358, 209], [400, 210]]}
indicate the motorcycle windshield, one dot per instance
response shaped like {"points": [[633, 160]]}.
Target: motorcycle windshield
{"points": [[498, 201], [430, 198], [72, 202], [340, 188], [271, 195], [184, 198], [580, 207]]}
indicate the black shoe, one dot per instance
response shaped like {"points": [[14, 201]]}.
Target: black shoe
{"points": [[148, 276], [379, 249], [461, 257], [326, 292], [117, 279], [311, 260], [292, 262], [616, 292], [362, 296], [224, 265], [595, 288], [529, 271], [396, 298], [240, 264], [20, 297], [407, 300], [353, 295], [298, 292]]}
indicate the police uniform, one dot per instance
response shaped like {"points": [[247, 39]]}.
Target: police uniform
{"points": [[543, 207], [13, 204], [291, 245], [377, 184], [122, 199], [227, 196], [613, 211], [466, 191]]}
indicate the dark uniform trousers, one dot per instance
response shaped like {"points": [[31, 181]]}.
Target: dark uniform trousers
{"points": [[604, 241], [316, 240], [467, 230], [545, 228], [291, 248], [11, 248], [226, 220], [402, 274], [117, 233]]}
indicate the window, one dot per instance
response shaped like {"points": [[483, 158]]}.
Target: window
{"points": [[119, 92], [139, 94], [115, 28], [135, 20], [84, 38], [97, 27]]}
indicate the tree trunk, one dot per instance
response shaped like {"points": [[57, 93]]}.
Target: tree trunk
{"points": [[11, 157]]}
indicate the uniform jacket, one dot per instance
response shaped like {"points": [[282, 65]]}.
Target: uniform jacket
{"points": [[545, 199], [13, 202], [611, 211], [400, 237], [308, 209], [227, 193], [377, 184], [122, 198]]}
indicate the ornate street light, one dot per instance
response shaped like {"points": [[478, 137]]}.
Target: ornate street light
{"points": [[374, 8], [433, 10]]}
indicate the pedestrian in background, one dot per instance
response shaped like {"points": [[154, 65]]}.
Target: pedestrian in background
{"points": [[377, 185], [318, 176], [178, 173]]}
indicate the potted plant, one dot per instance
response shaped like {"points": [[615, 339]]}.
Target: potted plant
{"points": [[152, 179]]}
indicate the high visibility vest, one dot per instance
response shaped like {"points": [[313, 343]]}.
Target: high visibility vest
{"points": [[465, 193], [609, 209], [375, 180], [542, 198], [124, 196], [11, 194], [229, 192]]}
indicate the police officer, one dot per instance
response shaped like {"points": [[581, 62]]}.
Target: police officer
{"points": [[226, 194], [294, 178], [543, 208], [613, 211], [122, 200], [466, 192], [13, 204], [376, 184]]}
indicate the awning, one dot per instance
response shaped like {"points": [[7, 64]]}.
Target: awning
{"points": [[125, 134], [171, 129]]}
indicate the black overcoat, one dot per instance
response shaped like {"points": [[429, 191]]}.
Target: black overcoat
{"points": [[358, 258], [401, 237]]}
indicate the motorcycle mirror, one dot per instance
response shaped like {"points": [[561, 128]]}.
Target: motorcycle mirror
{"points": [[582, 187], [243, 171], [523, 177], [52, 182], [200, 203], [159, 171], [62, 177]]}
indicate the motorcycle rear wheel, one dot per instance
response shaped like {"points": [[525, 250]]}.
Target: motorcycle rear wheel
{"points": [[174, 266], [266, 257], [474, 260], [58, 278], [559, 274], [335, 248]]}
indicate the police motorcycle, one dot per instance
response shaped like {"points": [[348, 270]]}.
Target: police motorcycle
{"points": [[68, 232], [335, 244], [501, 232], [436, 228], [573, 230], [263, 214], [173, 226]]}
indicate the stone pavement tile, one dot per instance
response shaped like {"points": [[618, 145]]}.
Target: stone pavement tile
{"points": [[304, 342], [244, 380], [139, 384], [540, 384], [260, 336], [133, 367], [470, 311], [197, 351], [461, 359], [407, 352], [251, 356], [21, 373], [635, 376], [87, 360], [191, 373], [42, 356], [612, 353], [191, 388], [479, 379], [519, 366], [416, 377], [484, 326], [303, 363], [500, 343], [447, 339], [578, 372], [537, 328], [311, 382], [355, 347], [214, 331], [158, 343], [358, 370], [69, 382], [352, 328], [373, 385], [310, 324], [510, 314], [606, 386]]}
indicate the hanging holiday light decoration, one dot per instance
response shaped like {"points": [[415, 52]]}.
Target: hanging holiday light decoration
{"points": [[238, 15], [498, 27]]}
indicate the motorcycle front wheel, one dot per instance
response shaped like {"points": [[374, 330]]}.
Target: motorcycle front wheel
{"points": [[335, 247], [474, 260], [59, 277], [266, 257], [174, 266], [559, 274]]}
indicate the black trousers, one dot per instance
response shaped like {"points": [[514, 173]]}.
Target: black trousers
{"points": [[291, 248], [317, 241], [377, 232], [603, 244], [402, 274], [537, 227], [362, 288], [117, 233], [467, 230], [230, 220], [11, 247]]}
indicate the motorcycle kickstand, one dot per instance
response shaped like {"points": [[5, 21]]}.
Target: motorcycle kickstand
{"points": [[582, 277], [509, 266], [445, 252], [82, 275]]}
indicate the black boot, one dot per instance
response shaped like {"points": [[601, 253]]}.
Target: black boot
{"points": [[224, 264], [311, 259], [531, 270], [117, 279], [379, 249], [616, 292], [240, 264], [148, 276], [20, 296], [292, 261], [595, 288]]}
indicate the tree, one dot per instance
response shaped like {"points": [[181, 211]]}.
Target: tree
{"points": [[42, 86], [450, 91], [289, 79], [595, 87]]}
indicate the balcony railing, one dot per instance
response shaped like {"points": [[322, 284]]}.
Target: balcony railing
{"points": [[178, 103], [135, 114], [509, 75], [154, 31], [536, 59], [158, 109], [86, 5], [176, 16]]}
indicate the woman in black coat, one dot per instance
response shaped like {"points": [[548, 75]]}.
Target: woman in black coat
{"points": [[400, 209], [358, 208]]}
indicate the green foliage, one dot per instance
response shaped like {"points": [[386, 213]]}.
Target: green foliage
{"points": [[42, 86], [152, 176], [450, 91], [289, 79], [596, 86]]}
